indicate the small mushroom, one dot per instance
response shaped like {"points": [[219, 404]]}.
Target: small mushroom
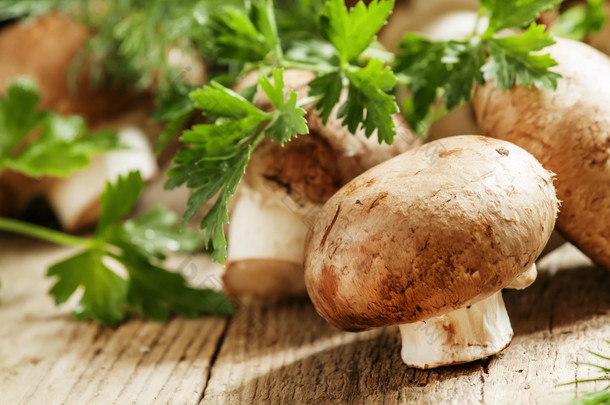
{"points": [[75, 199], [568, 131], [438, 20], [44, 48], [427, 241], [284, 188]]}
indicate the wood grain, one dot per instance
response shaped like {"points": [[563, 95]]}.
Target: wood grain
{"points": [[47, 357], [284, 352]]}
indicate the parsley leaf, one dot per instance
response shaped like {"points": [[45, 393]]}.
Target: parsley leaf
{"points": [[220, 151], [514, 14], [237, 38], [580, 20], [449, 69], [139, 245], [510, 60], [352, 31], [104, 291], [367, 93], [217, 158], [63, 144], [328, 88], [118, 200], [290, 120], [176, 109]]}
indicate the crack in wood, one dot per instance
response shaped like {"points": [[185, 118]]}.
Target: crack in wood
{"points": [[217, 348]]}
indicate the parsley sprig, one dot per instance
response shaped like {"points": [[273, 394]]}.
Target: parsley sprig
{"points": [[449, 69], [248, 39], [138, 246], [220, 150], [62, 145]]}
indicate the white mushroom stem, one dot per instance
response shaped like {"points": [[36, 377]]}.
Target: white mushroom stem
{"points": [[75, 199], [464, 335], [266, 238]]}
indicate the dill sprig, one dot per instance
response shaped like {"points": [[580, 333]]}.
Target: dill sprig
{"points": [[598, 397]]}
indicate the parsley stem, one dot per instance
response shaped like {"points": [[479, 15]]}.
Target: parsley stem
{"points": [[312, 67], [49, 235]]}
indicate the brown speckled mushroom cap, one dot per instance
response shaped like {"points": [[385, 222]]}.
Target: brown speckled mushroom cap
{"points": [[568, 130], [427, 232]]}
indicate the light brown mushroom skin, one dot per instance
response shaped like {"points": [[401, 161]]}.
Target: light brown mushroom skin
{"points": [[568, 131], [430, 231]]}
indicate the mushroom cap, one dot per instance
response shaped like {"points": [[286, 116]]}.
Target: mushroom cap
{"points": [[44, 49], [427, 232], [568, 131]]}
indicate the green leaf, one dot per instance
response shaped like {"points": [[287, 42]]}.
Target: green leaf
{"points": [[514, 14], [119, 199], [511, 61], [275, 91], [368, 103], [155, 291], [62, 145], [463, 61], [18, 116], [215, 219], [422, 61], [580, 20], [289, 121], [104, 292], [156, 232], [218, 101], [175, 108], [138, 245], [241, 35], [328, 87], [352, 31], [236, 37]]}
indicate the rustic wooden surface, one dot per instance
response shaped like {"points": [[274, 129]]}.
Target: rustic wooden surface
{"points": [[284, 353]]}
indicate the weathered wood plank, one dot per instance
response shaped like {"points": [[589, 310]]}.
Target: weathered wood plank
{"points": [[286, 354], [47, 357]]}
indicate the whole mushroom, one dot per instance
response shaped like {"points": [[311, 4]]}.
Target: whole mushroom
{"points": [[568, 131], [284, 187], [427, 241]]}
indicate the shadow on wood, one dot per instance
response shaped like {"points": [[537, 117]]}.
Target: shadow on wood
{"points": [[298, 358]]}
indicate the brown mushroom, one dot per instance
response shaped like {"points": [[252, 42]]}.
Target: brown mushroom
{"points": [[285, 187], [568, 130], [43, 49], [427, 241]]}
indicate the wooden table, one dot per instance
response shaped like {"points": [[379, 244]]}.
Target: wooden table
{"points": [[284, 353]]}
